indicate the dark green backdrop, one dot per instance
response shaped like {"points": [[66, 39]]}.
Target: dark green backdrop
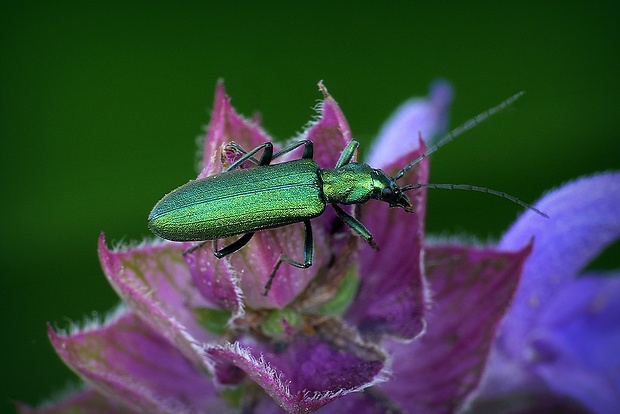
{"points": [[101, 104]]}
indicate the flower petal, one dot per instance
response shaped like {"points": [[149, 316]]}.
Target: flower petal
{"points": [[86, 401], [575, 345], [214, 279], [330, 133], [418, 116], [391, 298], [311, 371], [255, 262], [369, 401], [227, 125], [127, 361], [472, 289], [584, 219], [155, 283]]}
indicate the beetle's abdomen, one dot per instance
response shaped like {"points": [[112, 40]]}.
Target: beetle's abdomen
{"points": [[240, 201]]}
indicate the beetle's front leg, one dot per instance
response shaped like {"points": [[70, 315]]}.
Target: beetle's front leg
{"points": [[355, 225], [308, 255], [348, 153]]}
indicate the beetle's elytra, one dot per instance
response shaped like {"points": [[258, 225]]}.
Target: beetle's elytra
{"points": [[218, 206], [243, 201]]}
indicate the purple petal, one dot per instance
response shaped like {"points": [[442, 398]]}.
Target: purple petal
{"points": [[575, 346], [127, 361], [155, 283], [227, 125], [336, 245], [213, 278], [391, 298], [311, 371], [330, 133], [472, 289], [425, 116], [87, 401], [584, 219], [370, 401], [255, 262], [266, 405]]}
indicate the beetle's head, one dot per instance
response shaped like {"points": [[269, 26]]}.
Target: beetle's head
{"points": [[387, 190]]}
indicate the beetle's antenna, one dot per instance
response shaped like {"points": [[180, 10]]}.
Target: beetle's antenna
{"points": [[464, 127], [476, 188]]}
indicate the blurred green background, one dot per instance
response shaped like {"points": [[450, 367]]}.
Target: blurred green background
{"points": [[102, 103]]}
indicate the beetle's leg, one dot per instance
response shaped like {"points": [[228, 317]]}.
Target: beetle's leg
{"points": [[194, 248], [308, 152], [308, 149], [239, 148], [265, 159], [347, 153], [308, 254], [232, 247], [355, 225], [225, 251], [267, 156]]}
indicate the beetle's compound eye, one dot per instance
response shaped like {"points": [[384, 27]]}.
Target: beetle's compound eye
{"points": [[386, 193]]}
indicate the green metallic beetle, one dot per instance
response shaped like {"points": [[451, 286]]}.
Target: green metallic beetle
{"points": [[243, 201]]}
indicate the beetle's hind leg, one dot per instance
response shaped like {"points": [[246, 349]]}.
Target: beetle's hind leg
{"points": [[268, 154], [265, 158], [308, 254]]}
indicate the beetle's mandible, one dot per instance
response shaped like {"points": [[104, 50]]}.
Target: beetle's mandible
{"points": [[243, 201]]}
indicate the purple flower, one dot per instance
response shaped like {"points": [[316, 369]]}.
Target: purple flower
{"points": [[407, 328], [561, 337]]}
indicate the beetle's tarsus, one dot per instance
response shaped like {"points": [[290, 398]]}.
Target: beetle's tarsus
{"points": [[193, 248], [374, 245]]}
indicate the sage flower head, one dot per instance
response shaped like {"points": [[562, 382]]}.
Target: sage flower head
{"points": [[405, 328], [558, 345]]}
